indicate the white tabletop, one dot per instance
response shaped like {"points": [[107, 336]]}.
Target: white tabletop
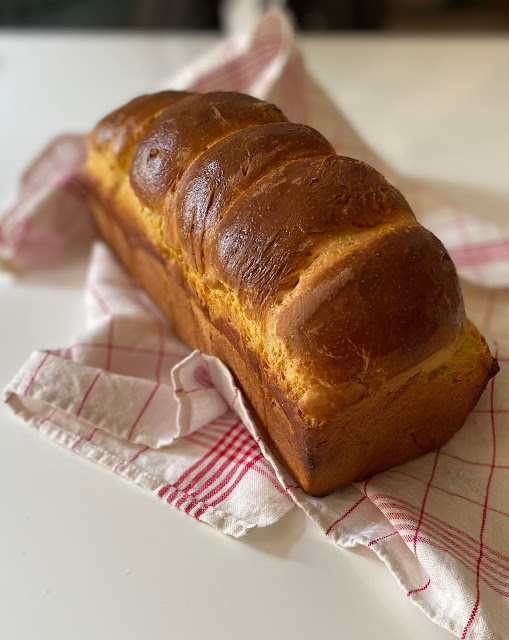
{"points": [[83, 554]]}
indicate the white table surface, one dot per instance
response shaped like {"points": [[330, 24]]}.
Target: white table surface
{"points": [[83, 554]]}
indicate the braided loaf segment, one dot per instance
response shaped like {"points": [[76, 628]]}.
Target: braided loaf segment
{"points": [[323, 255]]}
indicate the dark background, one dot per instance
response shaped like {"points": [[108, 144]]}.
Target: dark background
{"points": [[387, 15]]}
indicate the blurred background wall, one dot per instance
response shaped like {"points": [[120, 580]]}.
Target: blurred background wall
{"points": [[228, 15]]}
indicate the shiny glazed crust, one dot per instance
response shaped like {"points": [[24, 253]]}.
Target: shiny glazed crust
{"points": [[305, 272]]}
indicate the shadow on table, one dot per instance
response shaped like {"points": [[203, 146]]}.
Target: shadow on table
{"points": [[279, 538]]}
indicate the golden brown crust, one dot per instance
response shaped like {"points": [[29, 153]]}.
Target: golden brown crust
{"points": [[120, 130], [226, 170], [384, 306], [306, 273], [183, 132], [263, 242]]}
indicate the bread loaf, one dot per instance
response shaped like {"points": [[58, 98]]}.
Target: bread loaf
{"points": [[339, 315]]}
